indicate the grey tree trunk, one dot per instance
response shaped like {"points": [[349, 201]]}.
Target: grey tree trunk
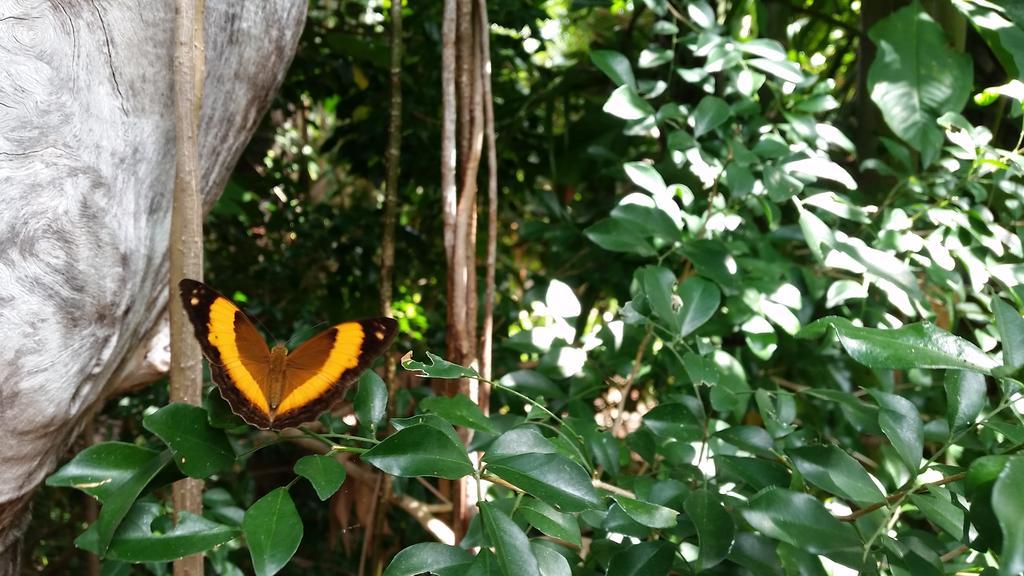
{"points": [[86, 173]]}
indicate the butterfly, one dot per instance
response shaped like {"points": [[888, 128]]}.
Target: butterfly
{"points": [[274, 388]]}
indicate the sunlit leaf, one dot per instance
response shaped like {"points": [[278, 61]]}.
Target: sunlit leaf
{"points": [[919, 345], [916, 76], [625, 103], [615, 66]]}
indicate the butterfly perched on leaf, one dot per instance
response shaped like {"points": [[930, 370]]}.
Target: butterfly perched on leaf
{"points": [[274, 388]]}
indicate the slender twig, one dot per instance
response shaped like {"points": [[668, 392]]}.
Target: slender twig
{"points": [[899, 495], [632, 377], [492, 206], [954, 553]]}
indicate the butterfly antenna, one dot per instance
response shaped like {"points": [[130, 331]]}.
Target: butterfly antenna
{"points": [[273, 340]]}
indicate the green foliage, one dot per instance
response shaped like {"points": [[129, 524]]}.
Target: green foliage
{"points": [[734, 338], [273, 530], [325, 473]]}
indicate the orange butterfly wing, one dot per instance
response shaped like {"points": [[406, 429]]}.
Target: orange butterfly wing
{"points": [[238, 355], [315, 376], [319, 372]]}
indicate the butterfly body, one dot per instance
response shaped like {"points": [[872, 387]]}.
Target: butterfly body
{"points": [[272, 388]]}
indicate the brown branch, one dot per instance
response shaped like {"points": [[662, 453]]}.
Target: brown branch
{"points": [[487, 343], [394, 156], [370, 538], [954, 553], [900, 495], [448, 161], [632, 376], [186, 257]]}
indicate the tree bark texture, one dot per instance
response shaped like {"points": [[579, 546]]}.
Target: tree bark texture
{"points": [[487, 330], [186, 239], [87, 167], [449, 206]]}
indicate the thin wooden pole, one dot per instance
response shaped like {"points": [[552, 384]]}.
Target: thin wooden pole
{"points": [[487, 338], [186, 248]]}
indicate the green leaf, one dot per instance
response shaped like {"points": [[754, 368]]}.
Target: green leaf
{"points": [[816, 232], [713, 260], [645, 176], [551, 563], [673, 420], [619, 236], [458, 410], [218, 413], [136, 541], [511, 547], [702, 14], [545, 518], [1009, 509], [653, 57], [965, 398], [918, 345], [273, 531], [710, 113], [799, 519], [625, 103], [657, 216], [940, 511], [532, 383], [615, 66], [881, 264], [757, 554], [782, 69], [650, 515], [981, 478], [732, 393], [753, 439], [371, 402], [325, 473], [700, 369], [645, 559], [420, 450], [438, 368], [426, 557], [820, 168], [199, 449], [1011, 333], [115, 473], [430, 420], [659, 284], [756, 472], [521, 440], [715, 528], [552, 478], [700, 301], [916, 77], [836, 472], [900, 422], [780, 185]]}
